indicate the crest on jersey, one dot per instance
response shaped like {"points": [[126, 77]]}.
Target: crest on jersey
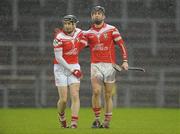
{"points": [[105, 36], [56, 43]]}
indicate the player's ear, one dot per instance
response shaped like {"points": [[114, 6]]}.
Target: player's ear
{"points": [[91, 15], [74, 25], [104, 17]]}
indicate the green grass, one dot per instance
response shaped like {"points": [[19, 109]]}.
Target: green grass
{"points": [[125, 121]]}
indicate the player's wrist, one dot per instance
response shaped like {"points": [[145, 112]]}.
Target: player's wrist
{"points": [[71, 70], [125, 61]]}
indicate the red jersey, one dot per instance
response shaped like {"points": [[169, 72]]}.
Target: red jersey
{"points": [[71, 45], [102, 43]]}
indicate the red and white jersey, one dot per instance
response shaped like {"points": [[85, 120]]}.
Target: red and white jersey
{"points": [[102, 43], [70, 44]]}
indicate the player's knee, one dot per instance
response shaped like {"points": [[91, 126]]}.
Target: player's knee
{"points": [[108, 95], [63, 100], [96, 93], [75, 96]]}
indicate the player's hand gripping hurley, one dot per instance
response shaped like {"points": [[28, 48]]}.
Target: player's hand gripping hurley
{"points": [[119, 68]]}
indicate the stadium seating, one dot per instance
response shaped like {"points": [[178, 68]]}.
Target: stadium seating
{"points": [[5, 55], [79, 6], [6, 28], [29, 7], [28, 30], [21, 91], [138, 9], [156, 9], [6, 8], [56, 8], [138, 32], [163, 9], [168, 34]]}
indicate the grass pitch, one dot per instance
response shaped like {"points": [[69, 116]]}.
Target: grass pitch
{"points": [[124, 121]]}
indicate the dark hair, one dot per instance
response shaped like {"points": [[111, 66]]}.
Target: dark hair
{"points": [[98, 8], [71, 18]]}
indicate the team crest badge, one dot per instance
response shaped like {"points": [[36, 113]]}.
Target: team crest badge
{"points": [[105, 35], [56, 42]]}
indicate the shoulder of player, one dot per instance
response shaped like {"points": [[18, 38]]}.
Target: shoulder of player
{"points": [[84, 32], [87, 32], [57, 40], [78, 30], [110, 27], [59, 35], [80, 33]]}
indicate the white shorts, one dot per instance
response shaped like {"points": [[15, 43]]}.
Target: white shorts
{"points": [[103, 71], [63, 77]]}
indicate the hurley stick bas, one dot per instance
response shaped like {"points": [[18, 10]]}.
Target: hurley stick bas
{"points": [[119, 68]]}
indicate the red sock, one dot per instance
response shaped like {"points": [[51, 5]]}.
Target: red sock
{"points": [[74, 120], [107, 117], [97, 112], [62, 116]]}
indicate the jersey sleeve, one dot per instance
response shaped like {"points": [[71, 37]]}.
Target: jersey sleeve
{"points": [[119, 41], [58, 52], [57, 43]]}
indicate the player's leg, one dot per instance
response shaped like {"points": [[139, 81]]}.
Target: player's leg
{"points": [[96, 94], [109, 80], [108, 103], [74, 85], [75, 104], [61, 83], [61, 105], [97, 84]]}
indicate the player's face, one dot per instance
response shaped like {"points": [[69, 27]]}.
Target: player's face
{"points": [[97, 17], [69, 26]]}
